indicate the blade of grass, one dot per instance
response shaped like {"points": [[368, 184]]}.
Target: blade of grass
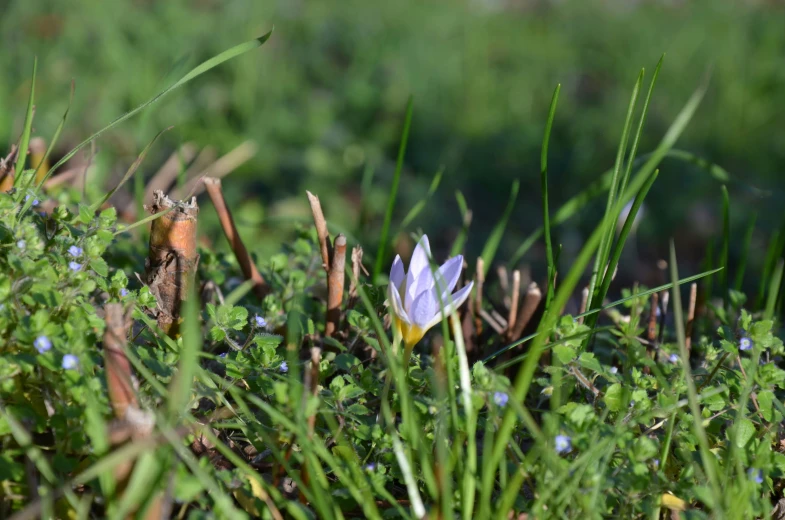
{"points": [[24, 141], [725, 245], [609, 221], [417, 208], [55, 137], [707, 457], [143, 221], [377, 268], [546, 219], [180, 388], [128, 174], [495, 238], [774, 290], [470, 469], [466, 219], [745, 250], [773, 253], [200, 69]]}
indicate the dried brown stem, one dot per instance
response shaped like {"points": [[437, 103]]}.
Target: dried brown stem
{"points": [[119, 377], [665, 298], [651, 334], [171, 265], [584, 303], [529, 307], [514, 297], [504, 281], [335, 284], [7, 170], [357, 266], [219, 169], [163, 179], [691, 315], [260, 287], [491, 321], [321, 229]]}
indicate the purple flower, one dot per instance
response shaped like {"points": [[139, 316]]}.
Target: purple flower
{"points": [[500, 398], [75, 251], [123, 292], [21, 244], [42, 344], [756, 475], [35, 202], [563, 444], [284, 367], [656, 463], [222, 354], [745, 343], [260, 322], [70, 362], [74, 266], [370, 467], [673, 358], [614, 370]]}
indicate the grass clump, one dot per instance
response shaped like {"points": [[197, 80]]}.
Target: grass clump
{"points": [[287, 395]]}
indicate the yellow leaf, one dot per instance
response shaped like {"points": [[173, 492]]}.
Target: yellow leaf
{"points": [[673, 502]]}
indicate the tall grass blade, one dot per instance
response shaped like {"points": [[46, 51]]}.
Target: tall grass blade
{"points": [[200, 69], [24, 141], [417, 208], [546, 218], [725, 245], [495, 238], [745, 251], [466, 219], [377, 268], [56, 137], [180, 388], [774, 290]]}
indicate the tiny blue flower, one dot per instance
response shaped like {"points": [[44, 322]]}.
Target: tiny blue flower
{"points": [[673, 358], [70, 362], [27, 197], [745, 343], [35, 202], [124, 292], [260, 322], [756, 475], [74, 266], [563, 444], [370, 467], [656, 463], [500, 398], [42, 344], [21, 244], [284, 367], [614, 370], [75, 251], [222, 355]]}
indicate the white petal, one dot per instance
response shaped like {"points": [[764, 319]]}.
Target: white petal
{"points": [[420, 261], [449, 274], [397, 306], [424, 308], [455, 301], [397, 274]]}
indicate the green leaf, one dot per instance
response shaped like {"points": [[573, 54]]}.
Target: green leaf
{"points": [[745, 429], [766, 402], [613, 397], [345, 362], [564, 353]]}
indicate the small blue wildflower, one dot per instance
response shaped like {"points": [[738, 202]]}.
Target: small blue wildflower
{"points": [[673, 358], [21, 244], [614, 370], [75, 251], [563, 444], [500, 398], [222, 355], [370, 467], [123, 292], [745, 343], [74, 266], [35, 202], [656, 463], [260, 322], [70, 362], [42, 213], [27, 197], [42, 344], [284, 367], [756, 475]]}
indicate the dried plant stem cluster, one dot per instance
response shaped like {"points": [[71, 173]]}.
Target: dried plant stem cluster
{"points": [[334, 263], [171, 265]]}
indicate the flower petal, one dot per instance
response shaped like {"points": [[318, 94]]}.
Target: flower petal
{"points": [[396, 306], [449, 274], [450, 304], [424, 308], [397, 274], [419, 264]]}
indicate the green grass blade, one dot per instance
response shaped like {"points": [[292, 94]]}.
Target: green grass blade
{"points": [[377, 268], [180, 388], [773, 253], [466, 219], [725, 245], [235, 51], [142, 222], [24, 141], [692, 395], [774, 290], [417, 208], [470, 469], [495, 238], [546, 218], [609, 222], [745, 250], [55, 137], [128, 174]]}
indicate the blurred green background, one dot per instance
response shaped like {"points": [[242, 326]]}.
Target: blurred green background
{"points": [[324, 102]]}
